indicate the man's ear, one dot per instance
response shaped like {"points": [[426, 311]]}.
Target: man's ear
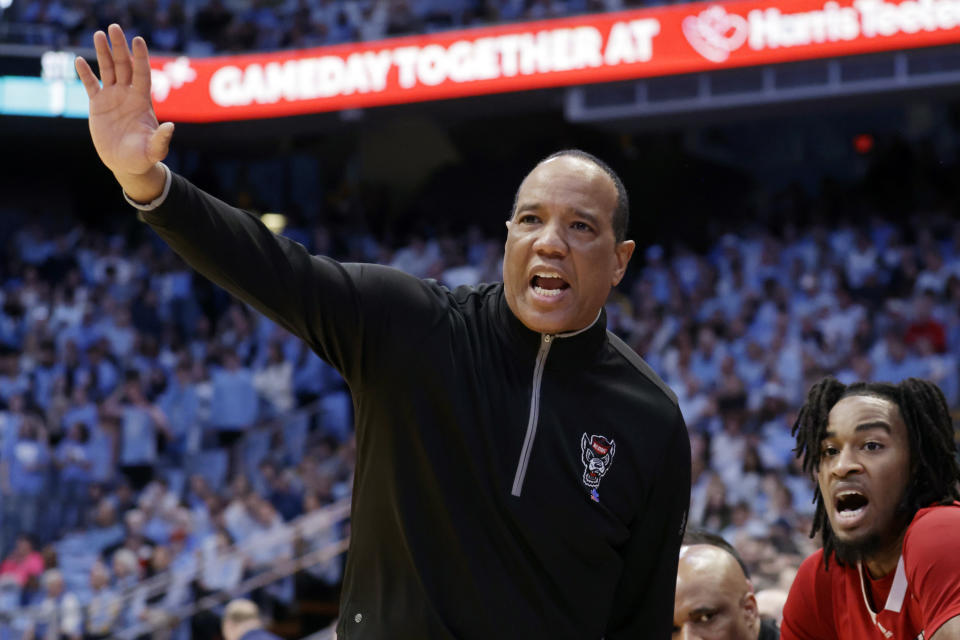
{"points": [[622, 251], [750, 609]]}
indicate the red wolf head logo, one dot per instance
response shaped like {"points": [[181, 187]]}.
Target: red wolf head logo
{"points": [[597, 457]]}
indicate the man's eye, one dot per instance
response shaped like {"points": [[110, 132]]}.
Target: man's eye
{"points": [[873, 446], [581, 226], [528, 218], [829, 452], [704, 618]]}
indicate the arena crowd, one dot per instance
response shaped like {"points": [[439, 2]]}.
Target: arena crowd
{"points": [[204, 27]]}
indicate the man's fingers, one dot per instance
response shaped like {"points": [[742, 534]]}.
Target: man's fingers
{"points": [[159, 143], [87, 77], [141, 66], [122, 61], [104, 59]]}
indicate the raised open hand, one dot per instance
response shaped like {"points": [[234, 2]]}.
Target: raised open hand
{"points": [[123, 125]]}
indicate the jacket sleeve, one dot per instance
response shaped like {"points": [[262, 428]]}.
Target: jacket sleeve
{"points": [[341, 311], [643, 603]]}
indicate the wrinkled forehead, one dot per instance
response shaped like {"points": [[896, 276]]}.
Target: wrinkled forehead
{"points": [[706, 569], [570, 182]]}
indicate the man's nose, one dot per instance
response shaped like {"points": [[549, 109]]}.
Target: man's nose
{"points": [[551, 240], [847, 462], [686, 633]]}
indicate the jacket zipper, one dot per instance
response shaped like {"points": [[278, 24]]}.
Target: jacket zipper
{"points": [[534, 418]]}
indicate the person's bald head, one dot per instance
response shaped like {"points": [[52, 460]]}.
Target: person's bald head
{"points": [[714, 598], [239, 617]]}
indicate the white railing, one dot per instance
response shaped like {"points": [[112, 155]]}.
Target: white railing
{"points": [[303, 528]]}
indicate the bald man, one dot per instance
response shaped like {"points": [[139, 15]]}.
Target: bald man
{"points": [[714, 598], [241, 621]]}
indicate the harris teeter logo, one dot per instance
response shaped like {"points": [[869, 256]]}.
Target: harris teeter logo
{"points": [[716, 33]]}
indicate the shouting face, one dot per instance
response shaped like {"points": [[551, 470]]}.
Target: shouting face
{"points": [[863, 475], [561, 257]]}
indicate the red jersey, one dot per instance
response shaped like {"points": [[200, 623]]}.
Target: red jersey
{"points": [[910, 603]]}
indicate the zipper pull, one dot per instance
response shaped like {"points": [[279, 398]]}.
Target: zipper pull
{"points": [[547, 337]]}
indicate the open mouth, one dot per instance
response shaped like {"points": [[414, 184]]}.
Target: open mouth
{"points": [[548, 284], [850, 507]]}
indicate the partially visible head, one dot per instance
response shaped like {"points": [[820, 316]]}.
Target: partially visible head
{"points": [[161, 559], [566, 244], [52, 581], [239, 617], [714, 598], [880, 452], [24, 545], [99, 575], [125, 564]]}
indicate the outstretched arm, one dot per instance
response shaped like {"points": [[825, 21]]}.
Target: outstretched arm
{"points": [[125, 131], [349, 314]]}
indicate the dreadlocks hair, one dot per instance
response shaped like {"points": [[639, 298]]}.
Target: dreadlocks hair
{"points": [[934, 470]]}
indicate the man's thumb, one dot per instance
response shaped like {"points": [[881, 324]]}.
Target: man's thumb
{"points": [[160, 142]]}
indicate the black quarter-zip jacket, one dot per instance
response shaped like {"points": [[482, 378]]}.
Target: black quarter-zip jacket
{"points": [[473, 513]]}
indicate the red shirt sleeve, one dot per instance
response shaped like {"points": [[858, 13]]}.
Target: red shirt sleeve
{"points": [[931, 559], [808, 612]]}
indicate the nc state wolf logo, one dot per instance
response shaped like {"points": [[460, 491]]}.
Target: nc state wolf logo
{"points": [[597, 457]]}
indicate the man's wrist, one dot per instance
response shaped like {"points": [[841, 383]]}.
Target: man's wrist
{"points": [[148, 191]]}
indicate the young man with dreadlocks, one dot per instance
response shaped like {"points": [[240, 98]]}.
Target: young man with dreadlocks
{"points": [[888, 513]]}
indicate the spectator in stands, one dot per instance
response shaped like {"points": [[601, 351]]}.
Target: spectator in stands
{"points": [[74, 463], [59, 614], [220, 570], [924, 325], [274, 381], [233, 407], [25, 466], [156, 601], [106, 532], [715, 598], [102, 606], [180, 402], [143, 426], [241, 621], [23, 562], [127, 572]]}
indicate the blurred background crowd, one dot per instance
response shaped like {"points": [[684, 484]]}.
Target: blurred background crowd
{"points": [[203, 27]]}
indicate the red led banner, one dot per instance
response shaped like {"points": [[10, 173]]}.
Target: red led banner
{"points": [[551, 53]]}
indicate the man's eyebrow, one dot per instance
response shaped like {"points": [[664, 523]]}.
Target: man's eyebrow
{"points": [[876, 424], [591, 218], [863, 426], [579, 213]]}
